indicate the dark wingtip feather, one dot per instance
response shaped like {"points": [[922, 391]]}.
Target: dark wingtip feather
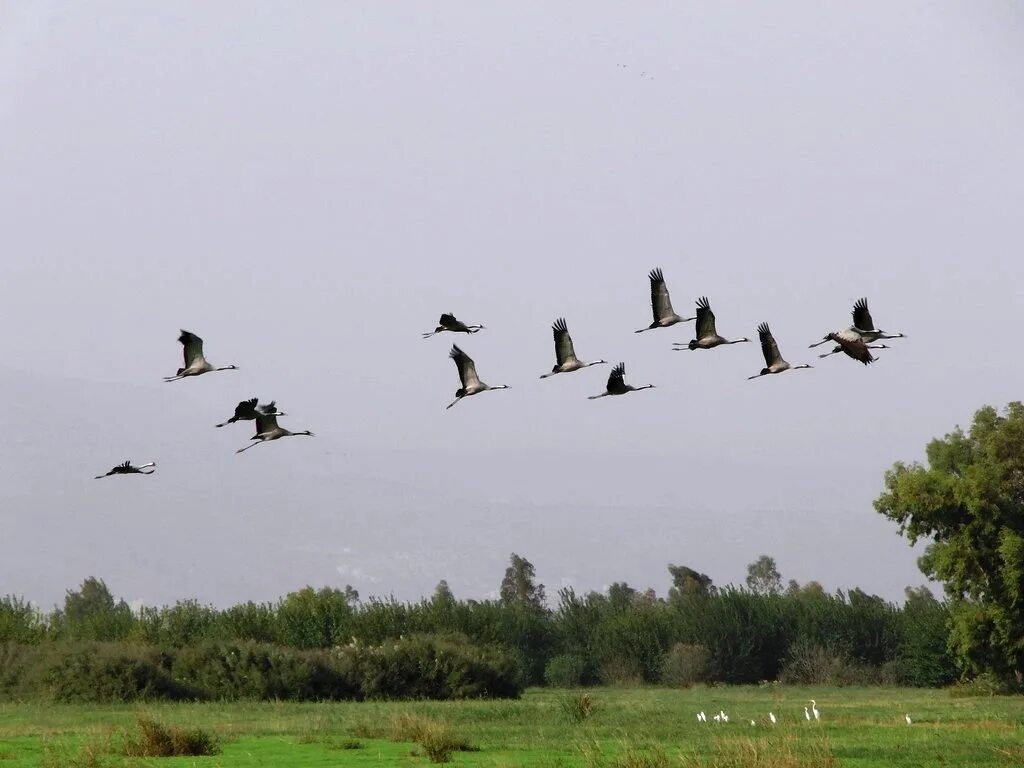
{"points": [[763, 328], [703, 303], [655, 275]]}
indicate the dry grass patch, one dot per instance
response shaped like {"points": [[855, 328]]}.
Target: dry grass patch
{"points": [[157, 740], [64, 755], [781, 750]]}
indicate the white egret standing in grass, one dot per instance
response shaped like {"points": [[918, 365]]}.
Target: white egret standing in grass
{"points": [[909, 721], [814, 710], [771, 716]]}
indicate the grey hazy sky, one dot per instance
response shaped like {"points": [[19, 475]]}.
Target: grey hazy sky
{"points": [[307, 187]]}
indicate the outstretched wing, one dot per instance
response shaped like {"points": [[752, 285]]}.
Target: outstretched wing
{"points": [[124, 467], [705, 319], [265, 422], [768, 346], [192, 346], [616, 378], [450, 323], [861, 316], [466, 366], [856, 349], [245, 409], [661, 304], [563, 342], [269, 408]]}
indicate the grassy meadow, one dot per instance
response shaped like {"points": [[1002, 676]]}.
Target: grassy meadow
{"points": [[631, 728]]}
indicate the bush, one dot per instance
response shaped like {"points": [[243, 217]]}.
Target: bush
{"points": [[621, 673], [985, 684], [439, 742], [428, 667], [157, 740], [258, 671], [565, 671], [104, 672], [579, 708], [810, 664], [685, 665]]}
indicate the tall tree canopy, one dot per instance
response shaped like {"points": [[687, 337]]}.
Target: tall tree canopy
{"points": [[763, 576], [688, 584], [969, 503], [519, 586]]}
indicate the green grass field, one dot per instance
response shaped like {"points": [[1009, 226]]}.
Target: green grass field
{"points": [[631, 728]]}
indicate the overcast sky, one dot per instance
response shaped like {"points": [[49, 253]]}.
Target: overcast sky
{"points": [[308, 187]]}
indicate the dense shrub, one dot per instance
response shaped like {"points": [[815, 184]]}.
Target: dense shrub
{"points": [[566, 670], [811, 664], [685, 664], [419, 667], [256, 671], [114, 672], [427, 667]]}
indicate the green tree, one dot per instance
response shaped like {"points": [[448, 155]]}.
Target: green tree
{"points": [[91, 613], [20, 622], [688, 583], [443, 595], [312, 618], [763, 577], [621, 596], [519, 586], [924, 655], [968, 502]]}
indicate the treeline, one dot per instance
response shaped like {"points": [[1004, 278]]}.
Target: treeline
{"points": [[327, 643]]}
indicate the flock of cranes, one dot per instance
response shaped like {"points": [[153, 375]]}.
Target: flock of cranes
{"points": [[855, 341], [196, 364]]}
